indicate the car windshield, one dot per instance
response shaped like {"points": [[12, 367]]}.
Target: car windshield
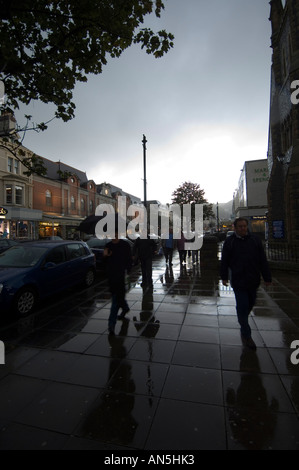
{"points": [[98, 242], [21, 256]]}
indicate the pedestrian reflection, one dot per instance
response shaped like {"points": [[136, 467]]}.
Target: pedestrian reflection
{"points": [[112, 420], [252, 416], [168, 278], [147, 321], [149, 331]]}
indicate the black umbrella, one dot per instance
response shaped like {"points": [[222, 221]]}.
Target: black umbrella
{"points": [[89, 224]]}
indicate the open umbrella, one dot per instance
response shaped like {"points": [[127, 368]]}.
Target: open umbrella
{"points": [[111, 222], [88, 225]]}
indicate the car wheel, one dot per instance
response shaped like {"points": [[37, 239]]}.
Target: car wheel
{"points": [[89, 278], [25, 301]]}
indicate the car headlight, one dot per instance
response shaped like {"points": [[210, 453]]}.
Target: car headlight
{"points": [[1, 287]]}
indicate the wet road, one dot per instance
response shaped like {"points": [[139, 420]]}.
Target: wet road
{"points": [[175, 376]]}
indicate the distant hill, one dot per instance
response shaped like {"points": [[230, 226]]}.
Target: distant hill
{"points": [[224, 209]]}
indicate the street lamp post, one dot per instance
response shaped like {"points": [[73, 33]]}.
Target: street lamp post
{"points": [[144, 168]]}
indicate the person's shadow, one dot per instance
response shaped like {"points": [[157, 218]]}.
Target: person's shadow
{"points": [[252, 416], [111, 419]]}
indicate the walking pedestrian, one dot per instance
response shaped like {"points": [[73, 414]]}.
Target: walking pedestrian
{"points": [[118, 262], [194, 251], [181, 248], [168, 247], [244, 261], [144, 250]]}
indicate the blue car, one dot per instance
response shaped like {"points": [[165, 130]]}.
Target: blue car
{"points": [[6, 243], [35, 270]]}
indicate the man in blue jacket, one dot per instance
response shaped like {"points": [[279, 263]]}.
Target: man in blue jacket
{"points": [[243, 262]]}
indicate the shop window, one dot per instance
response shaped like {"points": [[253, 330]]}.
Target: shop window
{"points": [[19, 194], [8, 195], [48, 198]]}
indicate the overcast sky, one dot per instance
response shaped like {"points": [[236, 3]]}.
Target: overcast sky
{"points": [[204, 107]]}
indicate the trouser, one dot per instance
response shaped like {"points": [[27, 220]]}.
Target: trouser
{"points": [[146, 270], [168, 254], [182, 254], [118, 301], [194, 256], [245, 300]]}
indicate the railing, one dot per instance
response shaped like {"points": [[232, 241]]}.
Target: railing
{"points": [[276, 252], [282, 252]]}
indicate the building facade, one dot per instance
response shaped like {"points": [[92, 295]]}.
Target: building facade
{"points": [[250, 198], [283, 142], [18, 218], [35, 206], [65, 196]]}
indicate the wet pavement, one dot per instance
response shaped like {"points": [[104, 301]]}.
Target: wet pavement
{"points": [[174, 377]]}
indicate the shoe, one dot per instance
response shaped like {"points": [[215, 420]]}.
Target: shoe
{"points": [[249, 343], [123, 313]]}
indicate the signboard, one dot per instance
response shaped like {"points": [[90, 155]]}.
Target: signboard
{"points": [[3, 212], [278, 229]]}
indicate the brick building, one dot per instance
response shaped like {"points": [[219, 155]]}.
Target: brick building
{"points": [[283, 144], [65, 196], [37, 206], [18, 218]]}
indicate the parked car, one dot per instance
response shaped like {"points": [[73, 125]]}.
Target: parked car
{"points": [[35, 270], [229, 233], [97, 245], [52, 237], [6, 243]]}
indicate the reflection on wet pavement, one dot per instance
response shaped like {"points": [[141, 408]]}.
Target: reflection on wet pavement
{"points": [[175, 376]]}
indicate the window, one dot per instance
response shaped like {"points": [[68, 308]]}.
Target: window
{"points": [[48, 198], [19, 194], [16, 167], [8, 194], [9, 164], [75, 250], [72, 203], [91, 207], [82, 205], [13, 165], [57, 255]]}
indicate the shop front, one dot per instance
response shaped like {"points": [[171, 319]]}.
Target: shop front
{"points": [[64, 227], [19, 223]]}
